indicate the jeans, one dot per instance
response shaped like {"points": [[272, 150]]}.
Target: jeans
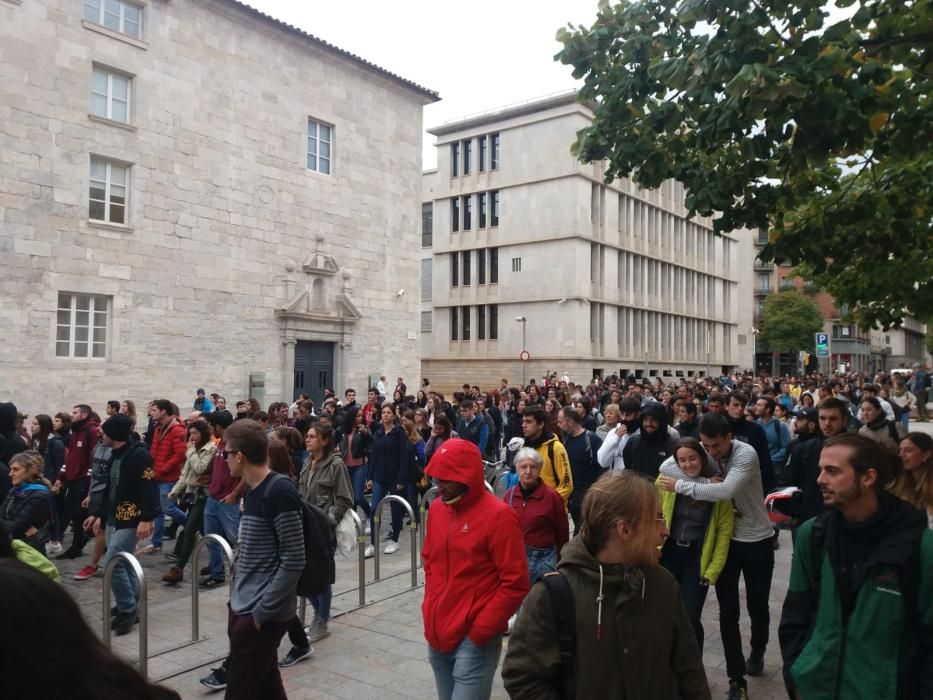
{"points": [[380, 491], [358, 479], [253, 660], [220, 519], [467, 672], [166, 507], [755, 561], [194, 523], [321, 605], [905, 420], [123, 584], [540, 562], [684, 565]]}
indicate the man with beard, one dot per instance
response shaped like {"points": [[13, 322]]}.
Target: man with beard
{"points": [[610, 452], [75, 476], [556, 470], [652, 444], [861, 586]]}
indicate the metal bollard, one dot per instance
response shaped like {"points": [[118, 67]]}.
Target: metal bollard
{"points": [[143, 609], [195, 591], [414, 536], [361, 547], [426, 501]]}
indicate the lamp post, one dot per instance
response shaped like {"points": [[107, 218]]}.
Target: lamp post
{"points": [[524, 321]]}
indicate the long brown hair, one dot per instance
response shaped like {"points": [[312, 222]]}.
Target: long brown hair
{"points": [[627, 496], [916, 487]]}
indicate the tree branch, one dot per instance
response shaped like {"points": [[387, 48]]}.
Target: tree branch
{"points": [[770, 22], [878, 45]]}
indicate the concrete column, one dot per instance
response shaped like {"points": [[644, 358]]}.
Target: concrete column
{"points": [[288, 369]]}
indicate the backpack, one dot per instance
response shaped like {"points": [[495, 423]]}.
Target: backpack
{"points": [[565, 620], [320, 544], [415, 467]]}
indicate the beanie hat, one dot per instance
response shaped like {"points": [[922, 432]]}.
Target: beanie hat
{"points": [[118, 427]]}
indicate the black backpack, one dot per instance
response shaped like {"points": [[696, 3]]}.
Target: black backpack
{"points": [[320, 544], [565, 619]]}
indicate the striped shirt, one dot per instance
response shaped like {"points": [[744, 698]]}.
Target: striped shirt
{"points": [[271, 552], [741, 485]]}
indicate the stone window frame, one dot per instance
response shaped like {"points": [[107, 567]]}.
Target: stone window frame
{"points": [[101, 16], [67, 327], [318, 141], [109, 164], [110, 74]]}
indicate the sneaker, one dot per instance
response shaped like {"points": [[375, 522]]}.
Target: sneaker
{"points": [[85, 573], [71, 553], [318, 631], [755, 664], [737, 691], [171, 556], [171, 531], [368, 531], [217, 680], [53, 548], [391, 548], [511, 624], [211, 582], [151, 549], [369, 552], [294, 655], [122, 623], [174, 575], [205, 571]]}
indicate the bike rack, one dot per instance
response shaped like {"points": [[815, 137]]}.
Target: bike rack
{"points": [[377, 517], [195, 590], [361, 546], [133, 563]]}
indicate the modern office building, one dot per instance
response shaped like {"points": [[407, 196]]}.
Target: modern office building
{"points": [[194, 194], [528, 253]]}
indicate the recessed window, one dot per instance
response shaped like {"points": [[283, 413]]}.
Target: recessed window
{"points": [[482, 153], [481, 206], [454, 322], [494, 160], [427, 224], [123, 17], [494, 322], [481, 322], [516, 264], [465, 319], [454, 214], [481, 266], [455, 269], [493, 266], [107, 199], [82, 324], [494, 214], [455, 159], [110, 95], [467, 155], [467, 258], [467, 212], [426, 320], [320, 145]]}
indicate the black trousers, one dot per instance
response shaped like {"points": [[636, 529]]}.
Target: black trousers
{"points": [[74, 514], [755, 562]]}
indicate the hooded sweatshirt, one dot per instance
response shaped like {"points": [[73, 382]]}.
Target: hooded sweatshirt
{"points": [[78, 460], [475, 569], [645, 452], [645, 647]]}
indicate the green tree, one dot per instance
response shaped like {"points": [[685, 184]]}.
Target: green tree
{"points": [[789, 322], [771, 116]]}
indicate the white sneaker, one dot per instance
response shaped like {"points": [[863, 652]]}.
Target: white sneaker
{"points": [[512, 623], [391, 548], [369, 552], [53, 548], [368, 531]]}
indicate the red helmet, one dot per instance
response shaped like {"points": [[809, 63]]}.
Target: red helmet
{"points": [[782, 505]]}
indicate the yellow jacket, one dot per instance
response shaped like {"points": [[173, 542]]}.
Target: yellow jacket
{"points": [[718, 534], [556, 470]]}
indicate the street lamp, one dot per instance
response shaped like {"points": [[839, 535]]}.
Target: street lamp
{"points": [[524, 321]]}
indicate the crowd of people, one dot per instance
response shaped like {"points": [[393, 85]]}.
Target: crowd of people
{"points": [[639, 496]]}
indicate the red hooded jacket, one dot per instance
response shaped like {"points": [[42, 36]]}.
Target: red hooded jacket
{"points": [[475, 568], [168, 451], [80, 448]]}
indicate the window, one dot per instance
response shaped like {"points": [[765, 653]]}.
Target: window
{"points": [[481, 266], [467, 155], [516, 264], [481, 322], [454, 214], [454, 322], [494, 203], [494, 322], [123, 17], [108, 192], [320, 140], [426, 321], [110, 95], [83, 321], [594, 203], [454, 159], [494, 159], [481, 205], [467, 259], [465, 319], [455, 269], [482, 153], [427, 278], [427, 224], [493, 266], [764, 282], [467, 212]]}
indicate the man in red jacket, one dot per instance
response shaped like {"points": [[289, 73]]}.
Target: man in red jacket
{"points": [[75, 476], [475, 572], [168, 457]]}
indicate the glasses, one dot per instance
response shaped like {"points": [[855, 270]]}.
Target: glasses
{"points": [[226, 453], [657, 518]]}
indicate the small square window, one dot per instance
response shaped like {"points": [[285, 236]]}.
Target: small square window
{"points": [[82, 328]]}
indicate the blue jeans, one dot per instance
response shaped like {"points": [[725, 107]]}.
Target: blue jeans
{"points": [[220, 519], [166, 507], [684, 565], [123, 584], [358, 479], [467, 672], [905, 420], [380, 491], [321, 603], [540, 562]]}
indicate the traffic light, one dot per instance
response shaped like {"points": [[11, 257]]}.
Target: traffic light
{"points": [[806, 359]]}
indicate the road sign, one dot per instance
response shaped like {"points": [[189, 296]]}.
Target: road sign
{"points": [[822, 344]]}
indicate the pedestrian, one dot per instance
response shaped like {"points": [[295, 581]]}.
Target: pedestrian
{"points": [[582, 447], [651, 444], [100, 468], [355, 446], [610, 453], [270, 559], [202, 403], [878, 427], [26, 511], [915, 482], [222, 509], [556, 471], [168, 457], [472, 427], [476, 574], [74, 479], [920, 386], [861, 586], [625, 632], [387, 466]]}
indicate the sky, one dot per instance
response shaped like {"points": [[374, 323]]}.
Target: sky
{"points": [[479, 56]]}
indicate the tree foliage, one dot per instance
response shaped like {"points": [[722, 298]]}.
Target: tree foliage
{"points": [[789, 322], [771, 116]]}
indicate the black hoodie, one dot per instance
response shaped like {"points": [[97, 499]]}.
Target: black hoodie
{"points": [[11, 443], [645, 452]]}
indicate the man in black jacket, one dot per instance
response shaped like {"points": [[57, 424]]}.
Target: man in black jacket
{"points": [[127, 510], [651, 445], [10, 444], [745, 431]]}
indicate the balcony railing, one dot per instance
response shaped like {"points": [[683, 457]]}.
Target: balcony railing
{"points": [[764, 266]]}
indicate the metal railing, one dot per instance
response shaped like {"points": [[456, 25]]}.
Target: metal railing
{"points": [[143, 608], [361, 550], [195, 589], [377, 519]]}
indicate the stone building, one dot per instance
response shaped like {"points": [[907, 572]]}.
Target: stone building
{"points": [[524, 248], [194, 194]]}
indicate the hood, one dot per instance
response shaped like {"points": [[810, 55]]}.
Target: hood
{"points": [[659, 412], [535, 443], [7, 418], [891, 534], [622, 581], [460, 461]]}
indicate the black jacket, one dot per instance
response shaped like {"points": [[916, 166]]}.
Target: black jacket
{"points": [[136, 499], [803, 466], [753, 434], [645, 452], [29, 505], [388, 460], [54, 456], [691, 429], [359, 448]]}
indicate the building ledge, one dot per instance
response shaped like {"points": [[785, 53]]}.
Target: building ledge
{"points": [[100, 29], [105, 226], [111, 122]]}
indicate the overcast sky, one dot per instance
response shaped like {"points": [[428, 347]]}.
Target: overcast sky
{"points": [[479, 55]]}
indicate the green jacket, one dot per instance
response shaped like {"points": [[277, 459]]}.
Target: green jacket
{"points": [[869, 656], [717, 537], [36, 560]]}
